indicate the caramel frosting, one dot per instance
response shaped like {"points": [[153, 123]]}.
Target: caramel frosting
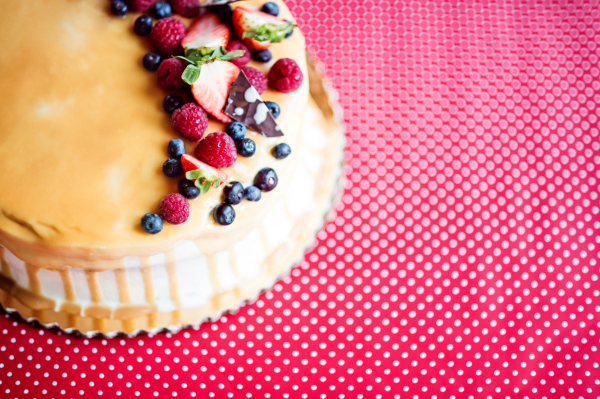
{"points": [[83, 138]]}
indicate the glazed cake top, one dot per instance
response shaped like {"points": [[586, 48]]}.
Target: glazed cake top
{"points": [[83, 135]]}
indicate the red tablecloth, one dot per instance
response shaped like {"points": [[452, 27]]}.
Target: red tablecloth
{"points": [[463, 261]]}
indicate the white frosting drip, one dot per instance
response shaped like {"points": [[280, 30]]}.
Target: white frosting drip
{"points": [[251, 94], [239, 111], [261, 113]]}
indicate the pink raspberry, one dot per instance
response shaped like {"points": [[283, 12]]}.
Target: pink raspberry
{"points": [[237, 45], [169, 73], [174, 208], [190, 121], [140, 5], [186, 8], [217, 149], [256, 78], [285, 75], [167, 35]]}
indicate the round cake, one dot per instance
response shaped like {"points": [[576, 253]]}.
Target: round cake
{"points": [[84, 139]]}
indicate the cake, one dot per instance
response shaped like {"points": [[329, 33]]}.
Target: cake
{"points": [[83, 141]]}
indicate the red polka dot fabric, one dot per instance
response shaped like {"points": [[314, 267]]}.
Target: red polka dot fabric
{"points": [[463, 261]]}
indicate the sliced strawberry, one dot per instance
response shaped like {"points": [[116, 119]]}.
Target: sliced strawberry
{"points": [[190, 163], [212, 87], [246, 21], [206, 31]]}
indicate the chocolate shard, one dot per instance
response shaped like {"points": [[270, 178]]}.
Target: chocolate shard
{"points": [[245, 106]]}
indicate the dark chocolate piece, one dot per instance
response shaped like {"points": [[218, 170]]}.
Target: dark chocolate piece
{"points": [[245, 106]]}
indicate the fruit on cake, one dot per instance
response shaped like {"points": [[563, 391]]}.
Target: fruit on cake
{"points": [[156, 169]]}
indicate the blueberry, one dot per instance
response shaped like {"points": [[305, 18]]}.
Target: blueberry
{"points": [[161, 10], [143, 25], [188, 189], [262, 56], [118, 8], [224, 214], [281, 151], [266, 179], [270, 8], [172, 167], [176, 148], [151, 61], [245, 147], [152, 223], [233, 194], [252, 193], [224, 12], [274, 108], [290, 33], [236, 130], [171, 103]]}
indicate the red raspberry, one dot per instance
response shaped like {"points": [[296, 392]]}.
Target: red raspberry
{"points": [[256, 78], [140, 5], [285, 75], [169, 73], [190, 121], [217, 149], [174, 209], [167, 34], [237, 45], [186, 8]]}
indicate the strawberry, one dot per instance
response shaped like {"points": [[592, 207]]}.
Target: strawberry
{"points": [[211, 89], [206, 31], [258, 29], [204, 176]]}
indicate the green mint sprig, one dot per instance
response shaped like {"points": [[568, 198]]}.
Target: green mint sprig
{"points": [[198, 57], [270, 32]]}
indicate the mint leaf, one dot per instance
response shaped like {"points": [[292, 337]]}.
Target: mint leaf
{"points": [[190, 74]]}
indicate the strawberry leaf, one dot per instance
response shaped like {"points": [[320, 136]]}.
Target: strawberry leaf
{"points": [[216, 183], [190, 74], [205, 187], [194, 174], [270, 32]]}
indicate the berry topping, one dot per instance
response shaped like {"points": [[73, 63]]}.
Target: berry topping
{"points": [[224, 214], [285, 75], [151, 61], [172, 167], [204, 176], [152, 223], [142, 25], [206, 31], [234, 193], [118, 8], [186, 8], [161, 10], [169, 73], [223, 11], [176, 148], [270, 8], [188, 189], [141, 5], [252, 193], [262, 55], [167, 34], [256, 78], [281, 151], [217, 149], [212, 87], [174, 208], [237, 45], [171, 103], [236, 130], [273, 108], [258, 29], [245, 147], [266, 179], [190, 121]]}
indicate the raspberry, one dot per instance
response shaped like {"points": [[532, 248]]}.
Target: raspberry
{"points": [[174, 208], [190, 121], [244, 59], [169, 73], [167, 34], [285, 75], [256, 78], [217, 149], [140, 5], [186, 8]]}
